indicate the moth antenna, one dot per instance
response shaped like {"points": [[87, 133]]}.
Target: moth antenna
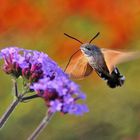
{"points": [[70, 60], [94, 37], [73, 38]]}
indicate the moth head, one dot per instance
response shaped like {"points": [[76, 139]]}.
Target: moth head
{"points": [[89, 49]]}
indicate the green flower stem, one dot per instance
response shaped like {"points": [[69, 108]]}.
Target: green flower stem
{"points": [[8, 112], [41, 126], [30, 97], [12, 107]]}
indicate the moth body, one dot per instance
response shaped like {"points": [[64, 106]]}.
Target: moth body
{"points": [[97, 61]]}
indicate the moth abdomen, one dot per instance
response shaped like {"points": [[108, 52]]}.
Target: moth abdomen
{"points": [[116, 79]]}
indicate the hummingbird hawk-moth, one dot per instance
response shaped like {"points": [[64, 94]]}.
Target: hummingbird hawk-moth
{"points": [[103, 61]]}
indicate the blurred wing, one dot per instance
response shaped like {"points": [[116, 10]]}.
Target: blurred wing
{"points": [[113, 57], [78, 66]]}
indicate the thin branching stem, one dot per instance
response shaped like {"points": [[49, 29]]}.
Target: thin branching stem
{"points": [[30, 97], [19, 98], [8, 112], [15, 87], [41, 126], [12, 106]]}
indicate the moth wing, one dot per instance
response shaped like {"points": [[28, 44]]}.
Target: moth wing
{"points": [[78, 66], [112, 57]]}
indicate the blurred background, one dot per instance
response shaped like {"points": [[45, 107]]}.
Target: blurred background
{"points": [[114, 113]]}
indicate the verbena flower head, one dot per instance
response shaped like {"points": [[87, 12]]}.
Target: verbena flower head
{"points": [[61, 94], [46, 79]]}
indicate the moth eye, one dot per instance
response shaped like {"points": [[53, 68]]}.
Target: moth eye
{"points": [[89, 49]]}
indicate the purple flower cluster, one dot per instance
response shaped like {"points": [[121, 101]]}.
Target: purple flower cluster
{"points": [[21, 62], [45, 78], [60, 94]]}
